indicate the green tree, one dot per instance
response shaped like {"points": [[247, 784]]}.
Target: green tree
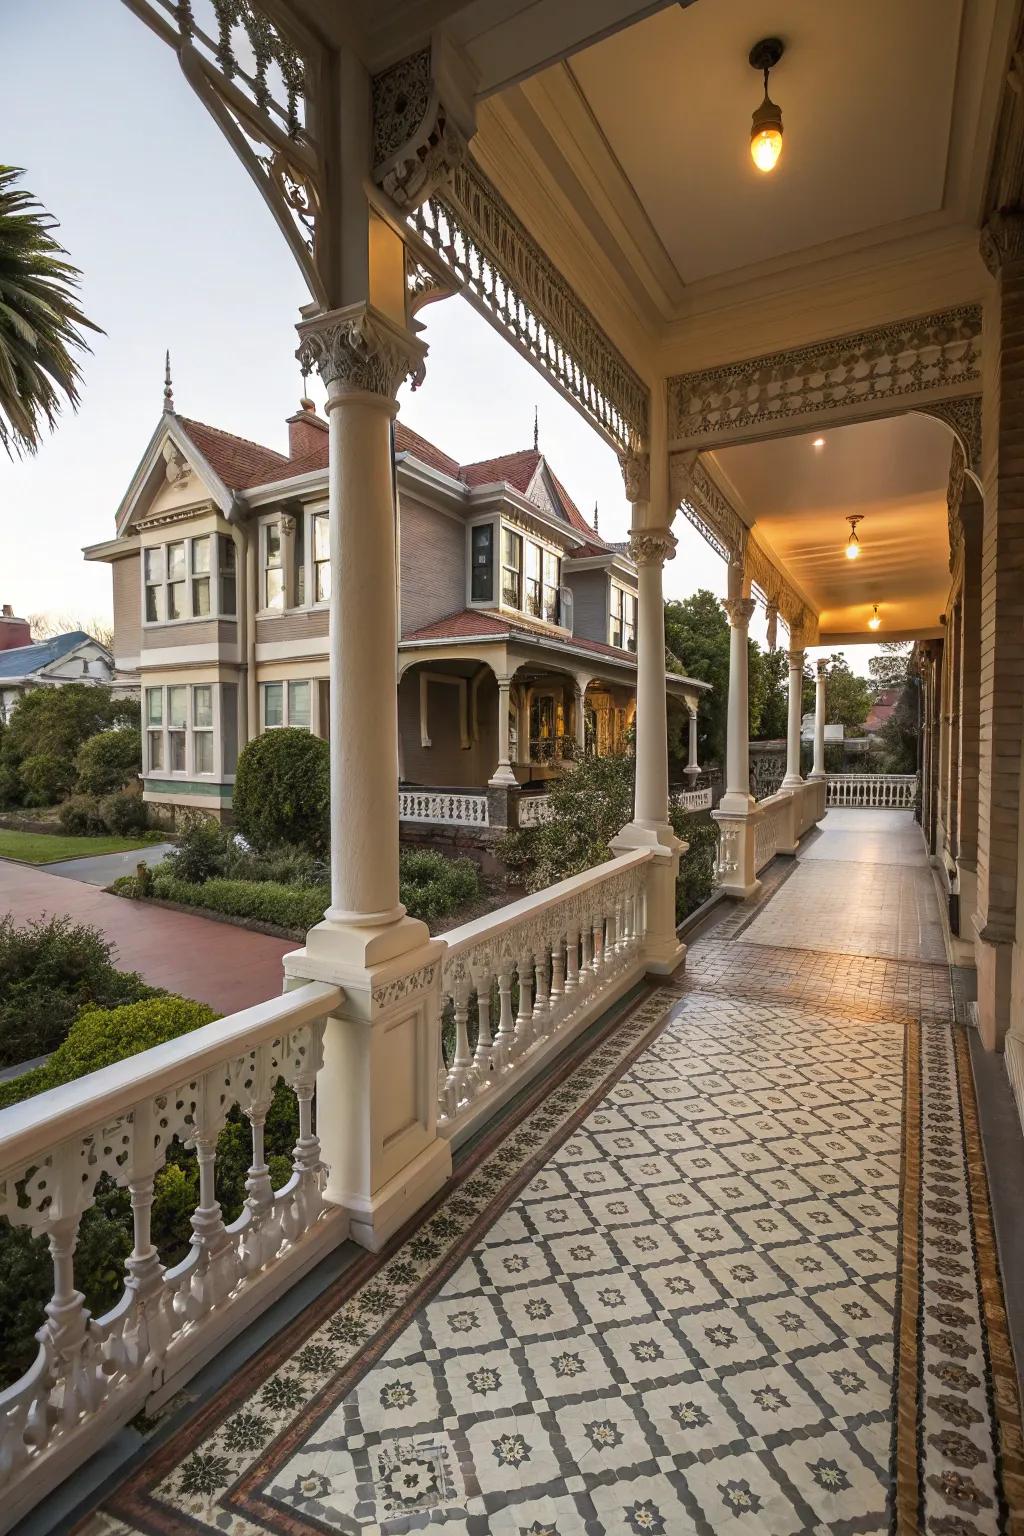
{"points": [[900, 734], [697, 634], [109, 760], [43, 736], [283, 791], [41, 324], [775, 710], [847, 696], [891, 669]]}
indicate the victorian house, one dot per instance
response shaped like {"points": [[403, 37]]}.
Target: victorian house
{"points": [[517, 647]]}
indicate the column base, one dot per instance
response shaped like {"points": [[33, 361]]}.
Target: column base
{"points": [[374, 1219], [816, 774], [737, 850], [734, 803], [792, 781], [691, 773], [504, 777], [738, 891]]}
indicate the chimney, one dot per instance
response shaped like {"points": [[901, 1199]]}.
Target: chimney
{"points": [[307, 432], [13, 632]]}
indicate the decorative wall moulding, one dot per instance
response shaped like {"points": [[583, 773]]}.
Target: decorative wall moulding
{"points": [[416, 140], [909, 365]]}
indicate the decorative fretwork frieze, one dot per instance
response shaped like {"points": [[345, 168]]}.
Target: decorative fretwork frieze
{"points": [[263, 109], [360, 349], [963, 417], [779, 593], [507, 276], [954, 497], [651, 546], [902, 367], [416, 145]]}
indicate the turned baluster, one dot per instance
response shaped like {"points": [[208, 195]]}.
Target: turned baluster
{"points": [[557, 995], [524, 1018], [506, 1041], [460, 1076], [541, 996], [483, 1057], [572, 961]]}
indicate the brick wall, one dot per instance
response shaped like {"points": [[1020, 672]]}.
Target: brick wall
{"points": [[433, 565]]}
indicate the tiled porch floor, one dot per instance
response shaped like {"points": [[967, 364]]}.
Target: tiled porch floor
{"points": [[674, 1295]]}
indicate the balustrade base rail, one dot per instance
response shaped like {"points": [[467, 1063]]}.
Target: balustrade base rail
{"points": [[888, 791]]}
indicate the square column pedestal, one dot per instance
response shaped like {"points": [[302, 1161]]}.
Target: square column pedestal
{"points": [[663, 951], [737, 851], [377, 1089]]}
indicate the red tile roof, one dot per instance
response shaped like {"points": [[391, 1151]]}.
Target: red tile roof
{"points": [[243, 465], [468, 623], [239, 462]]}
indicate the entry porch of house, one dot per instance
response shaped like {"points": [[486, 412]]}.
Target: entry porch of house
{"points": [[674, 1282]]}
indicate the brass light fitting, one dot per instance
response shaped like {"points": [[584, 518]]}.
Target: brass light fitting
{"points": [[766, 124]]}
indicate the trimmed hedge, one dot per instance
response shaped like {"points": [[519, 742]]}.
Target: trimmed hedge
{"points": [[282, 790], [433, 886], [261, 900]]}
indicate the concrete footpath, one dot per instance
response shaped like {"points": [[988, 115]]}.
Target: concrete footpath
{"points": [[215, 963]]}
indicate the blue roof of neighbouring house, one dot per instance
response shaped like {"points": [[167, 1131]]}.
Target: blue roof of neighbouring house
{"points": [[23, 660]]}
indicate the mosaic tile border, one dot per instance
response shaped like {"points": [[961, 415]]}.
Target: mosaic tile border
{"points": [[382, 1289]]}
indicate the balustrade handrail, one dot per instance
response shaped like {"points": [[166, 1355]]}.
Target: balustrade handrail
{"points": [[493, 924], [38, 1124]]}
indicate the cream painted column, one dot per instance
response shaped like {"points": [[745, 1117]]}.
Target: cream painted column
{"points": [[692, 768], [377, 1089], [504, 774], [737, 797], [651, 544], [820, 687], [579, 717], [794, 778]]}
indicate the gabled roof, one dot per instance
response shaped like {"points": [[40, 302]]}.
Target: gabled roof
{"points": [[23, 660], [238, 462]]}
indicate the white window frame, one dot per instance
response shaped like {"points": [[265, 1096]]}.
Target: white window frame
{"points": [[494, 601], [552, 551], [266, 523], [217, 539], [189, 730], [621, 598], [310, 563], [286, 684]]}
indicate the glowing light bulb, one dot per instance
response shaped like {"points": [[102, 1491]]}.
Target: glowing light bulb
{"points": [[819, 442], [874, 621], [853, 551], [766, 147]]}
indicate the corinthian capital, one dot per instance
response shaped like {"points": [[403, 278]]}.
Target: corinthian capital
{"points": [[636, 472], [362, 350], [739, 610], [651, 546], [822, 667], [1002, 240], [795, 657]]}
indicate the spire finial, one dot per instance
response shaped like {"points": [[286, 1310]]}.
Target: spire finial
{"points": [[168, 392], [536, 429], [595, 516]]}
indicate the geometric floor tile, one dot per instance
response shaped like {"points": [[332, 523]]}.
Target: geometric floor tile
{"points": [[758, 1213]]}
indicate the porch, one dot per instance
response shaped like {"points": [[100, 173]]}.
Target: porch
{"points": [[671, 1285]]}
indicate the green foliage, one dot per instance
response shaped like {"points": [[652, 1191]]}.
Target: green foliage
{"points": [[109, 760], [49, 972], [847, 697], [282, 790], [41, 324], [44, 734], [80, 816], [125, 811], [699, 864], [262, 901], [589, 806], [432, 886], [891, 667], [201, 851], [899, 736], [697, 632], [100, 1036]]}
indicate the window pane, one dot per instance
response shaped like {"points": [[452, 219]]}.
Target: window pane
{"points": [[176, 600], [176, 743], [550, 603], [511, 549], [202, 705], [273, 704], [201, 556], [273, 544], [532, 560], [200, 596], [227, 594], [156, 749], [153, 604], [229, 726], [510, 588], [226, 545], [177, 707], [323, 582], [275, 589], [202, 751], [298, 704], [155, 706], [321, 537], [154, 564], [175, 562], [482, 563], [551, 564]]}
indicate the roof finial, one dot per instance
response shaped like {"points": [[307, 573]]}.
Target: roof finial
{"points": [[168, 392], [536, 429], [595, 516]]}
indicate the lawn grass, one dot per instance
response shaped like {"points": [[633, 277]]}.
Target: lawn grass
{"points": [[48, 848]]}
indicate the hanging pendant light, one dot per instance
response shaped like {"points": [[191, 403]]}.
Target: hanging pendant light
{"points": [[874, 621], [853, 543], [766, 124]]}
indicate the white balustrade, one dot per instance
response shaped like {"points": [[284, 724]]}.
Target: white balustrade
{"points": [[891, 791], [91, 1375], [766, 833], [535, 810], [519, 983], [692, 799], [444, 807]]}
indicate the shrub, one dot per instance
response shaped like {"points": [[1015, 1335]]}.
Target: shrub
{"points": [[81, 816], [259, 900], [433, 886], [590, 806], [125, 812], [201, 851], [49, 971], [282, 790], [109, 760], [284, 865], [46, 777], [46, 729], [699, 865]]}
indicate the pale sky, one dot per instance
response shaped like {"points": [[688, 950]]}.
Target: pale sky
{"points": [[178, 250]]}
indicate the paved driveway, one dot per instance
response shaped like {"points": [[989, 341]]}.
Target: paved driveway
{"points": [[104, 868], [215, 963]]}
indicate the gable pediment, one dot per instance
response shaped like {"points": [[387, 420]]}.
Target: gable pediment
{"points": [[542, 493], [173, 482]]}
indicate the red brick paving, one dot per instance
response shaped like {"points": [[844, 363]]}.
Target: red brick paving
{"points": [[215, 963]]}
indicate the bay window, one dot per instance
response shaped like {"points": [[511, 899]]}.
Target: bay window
{"points": [[272, 596], [191, 578], [288, 703], [552, 580], [622, 622], [531, 586], [226, 550], [201, 577], [177, 726], [181, 726], [321, 558], [154, 572], [202, 728], [481, 581], [176, 580], [511, 568]]}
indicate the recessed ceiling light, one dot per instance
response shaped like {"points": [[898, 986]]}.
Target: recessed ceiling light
{"points": [[819, 442]]}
